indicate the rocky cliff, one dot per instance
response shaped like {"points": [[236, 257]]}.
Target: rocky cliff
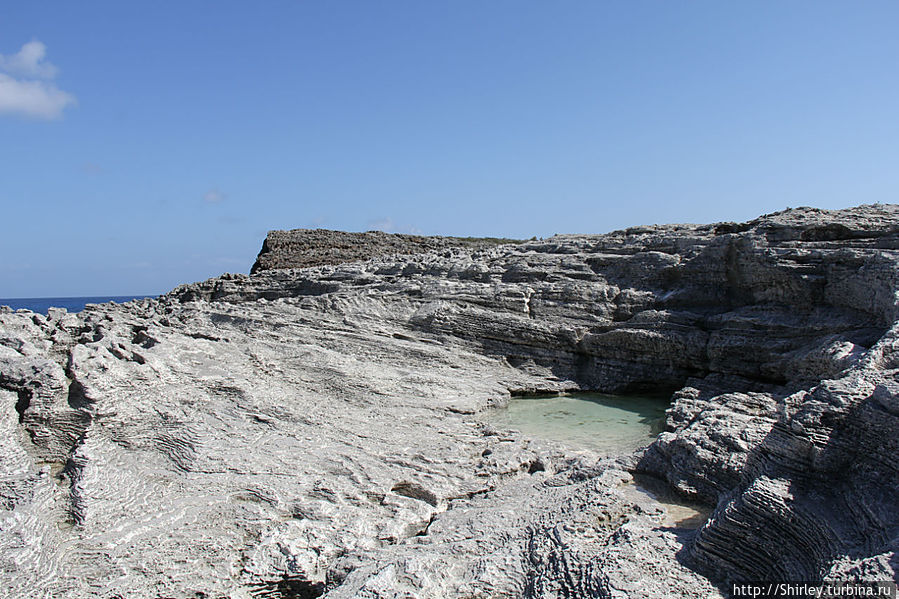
{"points": [[318, 431]]}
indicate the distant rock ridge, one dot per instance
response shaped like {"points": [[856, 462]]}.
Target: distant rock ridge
{"points": [[316, 431], [300, 248]]}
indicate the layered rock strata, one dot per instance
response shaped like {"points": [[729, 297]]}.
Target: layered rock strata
{"points": [[316, 431]]}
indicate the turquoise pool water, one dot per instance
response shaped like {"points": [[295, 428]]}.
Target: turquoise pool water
{"points": [[607, 424]]}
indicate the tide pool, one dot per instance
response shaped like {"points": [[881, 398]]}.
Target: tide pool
{"points": [[607, 424]]}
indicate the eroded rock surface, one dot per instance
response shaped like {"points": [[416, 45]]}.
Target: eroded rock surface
{"points": [[315, 431]]}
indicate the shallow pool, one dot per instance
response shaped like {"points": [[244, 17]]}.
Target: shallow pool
{"points": [[608, 424]]}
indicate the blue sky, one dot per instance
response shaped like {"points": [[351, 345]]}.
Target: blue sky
{"points": [[146, 147]]}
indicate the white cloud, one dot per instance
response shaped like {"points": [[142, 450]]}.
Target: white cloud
{"points": [[25, 88], [29, 62], [32, 98], [213, 196]]}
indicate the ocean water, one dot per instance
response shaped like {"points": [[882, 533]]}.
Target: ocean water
{"points": [[72, 304], [607, 424]]}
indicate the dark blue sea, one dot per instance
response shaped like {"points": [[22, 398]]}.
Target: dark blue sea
{"points": [[72, 304]]}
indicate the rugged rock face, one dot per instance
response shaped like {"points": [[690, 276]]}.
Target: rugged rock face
{"points": [[316, 431], [301, 248]]}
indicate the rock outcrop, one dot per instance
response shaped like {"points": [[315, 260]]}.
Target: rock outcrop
{"points": [[317, 431], [300, 248]]}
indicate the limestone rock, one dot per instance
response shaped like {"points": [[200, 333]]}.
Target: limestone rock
{"points": [[318, 431]]}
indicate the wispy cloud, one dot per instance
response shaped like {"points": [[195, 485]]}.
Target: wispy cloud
{"points": [[381, 224], [213, 196], [388, 225], [26, 86]]}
